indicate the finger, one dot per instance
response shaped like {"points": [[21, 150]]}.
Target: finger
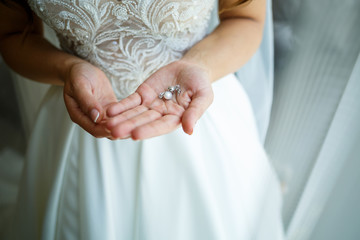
{"points": [[80, 118], [111, 138], [88, 103], [195, 110], [127, 103], [167, 107], [114, 121], [159, 127], [124, 129], [183, 99]]}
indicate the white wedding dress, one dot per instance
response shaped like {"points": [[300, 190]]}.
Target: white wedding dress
{"points": [[216, 184]]}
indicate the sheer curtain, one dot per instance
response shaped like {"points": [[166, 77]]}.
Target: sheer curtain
{"points": [[314, 134]]}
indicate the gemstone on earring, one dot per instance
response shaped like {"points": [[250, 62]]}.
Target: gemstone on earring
{"points": [[168, 95], [161, 95], [171, 88], [178, 89]]}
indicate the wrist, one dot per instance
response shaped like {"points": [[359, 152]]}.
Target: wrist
{"points": [[197, 62], [64, 67]]}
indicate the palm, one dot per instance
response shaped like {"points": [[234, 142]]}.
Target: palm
{"points": [[144, 114]]}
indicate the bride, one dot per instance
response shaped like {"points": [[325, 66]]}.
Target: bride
{"points": [[145, 132]]}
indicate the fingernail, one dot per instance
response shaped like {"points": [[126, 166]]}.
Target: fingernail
{"points": [[134, 139], [192, 131], [94, 114]]}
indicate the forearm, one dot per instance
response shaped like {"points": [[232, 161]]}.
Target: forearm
{"points": [[35, 58], [31, 56], [233, 42], [228, 48]]}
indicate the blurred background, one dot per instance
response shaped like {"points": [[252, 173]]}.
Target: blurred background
{"points": [[314, 135], [313, 138], [12, 146]]}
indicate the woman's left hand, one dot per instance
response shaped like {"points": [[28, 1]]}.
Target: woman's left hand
{"points": [[144, 115]]}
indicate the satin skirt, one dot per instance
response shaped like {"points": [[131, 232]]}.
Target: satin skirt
{"points": [[215, 184]]}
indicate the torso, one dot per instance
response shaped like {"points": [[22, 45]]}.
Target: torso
{"points": [[129, 40]]}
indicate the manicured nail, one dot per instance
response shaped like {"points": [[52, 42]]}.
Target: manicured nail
{"points": [[94, 114]]}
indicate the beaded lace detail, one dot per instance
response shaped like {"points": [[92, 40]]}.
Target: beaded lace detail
{"points": [[129, 39]]}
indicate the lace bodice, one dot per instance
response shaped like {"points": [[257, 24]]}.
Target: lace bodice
{"points": [[128, 39]]}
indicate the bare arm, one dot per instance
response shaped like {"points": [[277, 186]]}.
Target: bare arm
{"points": [[31, 56], [224, 51], [233, 42], [87, 91]]}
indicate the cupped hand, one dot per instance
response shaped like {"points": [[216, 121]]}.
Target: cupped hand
{"points": [[144, 115], [87, 92]]}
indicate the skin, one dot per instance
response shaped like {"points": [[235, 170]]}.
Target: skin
{"points": [[88, 93]]}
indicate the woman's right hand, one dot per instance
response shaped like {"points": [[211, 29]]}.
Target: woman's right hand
{"points": [[87, 92]]}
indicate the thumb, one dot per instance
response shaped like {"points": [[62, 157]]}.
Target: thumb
{"points": [[197, 107], [94, 115], [88, 103]]}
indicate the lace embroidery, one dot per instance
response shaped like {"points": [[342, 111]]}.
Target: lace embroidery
{"points": [[130, 39]]}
